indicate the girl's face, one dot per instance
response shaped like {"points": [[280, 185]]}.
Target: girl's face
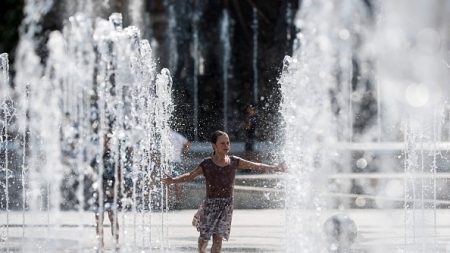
{"points": [[222, 145]]}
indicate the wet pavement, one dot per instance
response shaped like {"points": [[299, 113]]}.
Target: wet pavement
{"points": [[260, 230]]}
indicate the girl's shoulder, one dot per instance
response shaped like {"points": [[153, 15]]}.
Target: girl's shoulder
{"points": [[235, 159], [206, 160]]}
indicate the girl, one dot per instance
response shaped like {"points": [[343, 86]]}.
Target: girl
{"points": [[213, 217]]}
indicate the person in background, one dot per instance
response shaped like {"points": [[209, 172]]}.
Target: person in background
{"points": [[108, 191], [213, 218], [250, 129]]}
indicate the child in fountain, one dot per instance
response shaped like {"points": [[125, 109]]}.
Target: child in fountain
{"points": [[109, 192], [214, 215]]}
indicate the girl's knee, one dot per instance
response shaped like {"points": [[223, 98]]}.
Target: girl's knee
{"points": [[217, 238]]}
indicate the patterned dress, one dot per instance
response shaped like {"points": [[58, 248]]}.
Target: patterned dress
{"points": [[215, 213]]}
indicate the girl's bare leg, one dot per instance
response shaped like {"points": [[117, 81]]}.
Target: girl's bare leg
{"points": [[202, 244], [99, 228], [217, 243], [114, 226]]}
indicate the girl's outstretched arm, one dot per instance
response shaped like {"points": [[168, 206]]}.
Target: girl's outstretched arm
{"points": [[182, 178], [244, 164]]}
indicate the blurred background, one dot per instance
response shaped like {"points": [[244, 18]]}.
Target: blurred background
{"points": [[224, 56]]}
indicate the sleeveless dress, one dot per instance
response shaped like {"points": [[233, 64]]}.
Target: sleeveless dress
{"points": [[215, 213]]}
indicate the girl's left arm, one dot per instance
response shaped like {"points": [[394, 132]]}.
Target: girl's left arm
{"points": [[244, 164]]}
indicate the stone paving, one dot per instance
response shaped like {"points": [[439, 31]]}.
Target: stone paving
{"points": [[260, 230]]}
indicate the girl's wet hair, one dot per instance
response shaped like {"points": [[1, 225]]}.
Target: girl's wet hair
{"points": [[216, 136]]}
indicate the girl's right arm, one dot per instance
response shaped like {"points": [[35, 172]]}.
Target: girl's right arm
{"points": [[182, 178]]}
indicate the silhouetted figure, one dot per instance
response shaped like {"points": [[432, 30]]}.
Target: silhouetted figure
{"points": [[108, 191]]}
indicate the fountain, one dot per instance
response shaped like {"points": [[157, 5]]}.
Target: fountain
{"points": [[99, 81], [364, 104], [384, 64], [196, 56], [255, 54], [225, 40]]}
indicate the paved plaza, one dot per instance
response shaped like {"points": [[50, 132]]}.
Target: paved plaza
{"points": [[252, 231]]}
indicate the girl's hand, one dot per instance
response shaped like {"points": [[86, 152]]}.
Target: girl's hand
{"points": [[282, 167], [167, 179]]}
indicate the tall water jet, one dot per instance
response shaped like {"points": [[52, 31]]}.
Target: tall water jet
{"points": [[196, 59], [29, 73], [226, 49], [340, 48], [136, 9], [97, 83], [255, 30], [413, 76], [172, 36], [310, 128], [6, 117], [289, 24]]}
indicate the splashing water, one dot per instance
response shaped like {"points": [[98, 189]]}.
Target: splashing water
{"points": [[384, 62], [98, 85], [306, 153], [226, 49]]}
